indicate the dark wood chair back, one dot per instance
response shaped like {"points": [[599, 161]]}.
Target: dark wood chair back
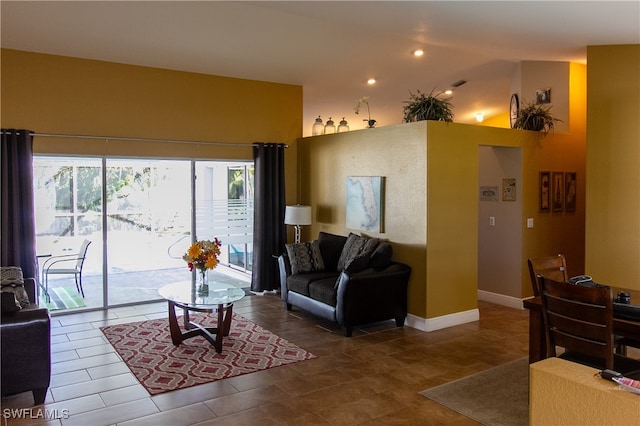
{"points": [[579, 319], [554, 267]]}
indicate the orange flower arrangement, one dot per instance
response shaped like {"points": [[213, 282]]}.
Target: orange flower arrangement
{"points": [[203, 255]]}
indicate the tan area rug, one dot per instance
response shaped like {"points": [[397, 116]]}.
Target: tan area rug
{"points": [[495, 397], [160, 366]]}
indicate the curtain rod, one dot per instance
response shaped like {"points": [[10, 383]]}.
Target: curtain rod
{"points": [[121, 138]]}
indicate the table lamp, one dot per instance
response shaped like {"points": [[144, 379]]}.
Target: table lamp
{"points": [[297, 215]]}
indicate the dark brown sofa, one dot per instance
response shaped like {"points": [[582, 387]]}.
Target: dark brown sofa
{"points": [[360, 287], [25, 339]]}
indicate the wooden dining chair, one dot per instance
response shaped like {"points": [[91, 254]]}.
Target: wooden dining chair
{"points": [[580, 319], [554, 267]]}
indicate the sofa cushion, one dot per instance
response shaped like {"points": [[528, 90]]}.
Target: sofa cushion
{"points": [[11, 281], [331, 247], [305, 257], [381, 257], [299, 283], [356, 246], [324, 291]]}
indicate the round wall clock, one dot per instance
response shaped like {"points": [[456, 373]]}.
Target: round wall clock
{"points": [[513, 109]]}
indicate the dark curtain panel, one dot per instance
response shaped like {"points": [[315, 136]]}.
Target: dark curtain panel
{"points": [[269, 231], [17, 204]]}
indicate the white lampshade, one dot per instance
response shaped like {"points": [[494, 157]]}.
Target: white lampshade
{"points": [[297, 215]]}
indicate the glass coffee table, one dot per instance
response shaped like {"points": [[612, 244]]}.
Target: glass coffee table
{"points": [[219, 299]]}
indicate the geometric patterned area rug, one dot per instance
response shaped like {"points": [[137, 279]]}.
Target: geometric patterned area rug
{"points": [[160, 366], [61, 298]]}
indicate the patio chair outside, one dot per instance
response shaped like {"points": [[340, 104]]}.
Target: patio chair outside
{"points": [[66, 264]]}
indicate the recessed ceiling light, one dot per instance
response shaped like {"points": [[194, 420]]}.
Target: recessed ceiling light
{"points": [[418, 52], [371, 81], [448, 92]]}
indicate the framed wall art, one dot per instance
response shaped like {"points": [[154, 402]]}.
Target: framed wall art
{"points": [[543, 96], [570, 191], [365, 203], [557, 194], [509, 189], [545, 191], [488, 193]]}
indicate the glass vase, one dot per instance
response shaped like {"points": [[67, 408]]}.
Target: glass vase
{"points": [[203, 284]]}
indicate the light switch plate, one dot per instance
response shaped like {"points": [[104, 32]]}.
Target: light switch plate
{"points": [[530, 222]]}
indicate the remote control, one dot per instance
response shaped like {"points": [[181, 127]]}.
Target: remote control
{"points": [[610, 374]]}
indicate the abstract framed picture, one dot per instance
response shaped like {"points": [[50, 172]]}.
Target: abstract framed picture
{"points": [[545, 191], [365, 203], [570, 191], [557, 194]]}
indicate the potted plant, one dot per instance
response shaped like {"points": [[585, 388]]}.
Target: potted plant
{"points": [[536, 117], [427, 107], [365, 101]]}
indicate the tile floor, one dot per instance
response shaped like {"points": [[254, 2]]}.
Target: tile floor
{"points": [[372, 378]]}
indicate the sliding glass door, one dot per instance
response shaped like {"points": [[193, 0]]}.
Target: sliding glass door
{"points": [[148, 212], [142, 212], [224, 209], [69, 207]]}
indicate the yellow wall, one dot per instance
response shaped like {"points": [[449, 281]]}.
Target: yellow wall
{"points": [[396, 152], [62, 95], [431, 171], [613, 165], [500, 120], [565, 393], [558, 232], [432, 218]]}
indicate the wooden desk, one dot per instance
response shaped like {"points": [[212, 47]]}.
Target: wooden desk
{"points": [[537, 338]]}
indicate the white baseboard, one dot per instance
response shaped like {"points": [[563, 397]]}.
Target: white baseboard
{"points": [[450, 320], [433, 324], [500, 299]]}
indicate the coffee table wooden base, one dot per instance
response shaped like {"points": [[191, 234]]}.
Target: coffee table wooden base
{"points": [[213, 334]]}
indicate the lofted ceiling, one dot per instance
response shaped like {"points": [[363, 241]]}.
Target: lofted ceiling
{"points": [[332, 48]]}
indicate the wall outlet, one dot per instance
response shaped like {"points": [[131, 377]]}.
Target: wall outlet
{"points": [[530, 223], [492, 221]]}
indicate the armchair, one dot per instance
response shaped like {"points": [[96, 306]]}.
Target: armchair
{"points": [[25, 342]]}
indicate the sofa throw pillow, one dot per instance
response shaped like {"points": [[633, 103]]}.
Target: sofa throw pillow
{"points": [[331, 246], [357, 264], [11, 280], [356, 246], [305, 257], [381, 257], [9, 303]]}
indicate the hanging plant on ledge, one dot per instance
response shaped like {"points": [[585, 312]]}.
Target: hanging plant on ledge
{"points": [[536, 117], [427, 107]]}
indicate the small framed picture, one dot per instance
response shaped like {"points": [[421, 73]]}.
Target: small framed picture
{"points": [[570, 191], [543, 96], [509, 189], [488, 193], [545, 191], [557, 194]]}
